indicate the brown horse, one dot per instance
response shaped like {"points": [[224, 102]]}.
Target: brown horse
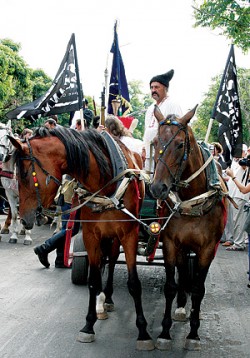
{"points": [[41, 161], [196, 215]]}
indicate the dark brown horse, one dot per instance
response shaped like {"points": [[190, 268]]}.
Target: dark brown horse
{"points": [[196, 213], [41, 162]]}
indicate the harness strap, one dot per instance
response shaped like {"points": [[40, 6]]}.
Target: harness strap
{"points": [[7, 174], [35, 160], [94, 195], [194, 175]]}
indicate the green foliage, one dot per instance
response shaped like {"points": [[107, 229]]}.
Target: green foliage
{"points": [[40, 83], [204, 111], [231, 17], [139, 102], [13, 74], [19, 84]]}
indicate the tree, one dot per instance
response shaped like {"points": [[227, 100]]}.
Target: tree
{"points": [[230, 16], [14, 75], [18, 83], [139, 102], [205, 109]]}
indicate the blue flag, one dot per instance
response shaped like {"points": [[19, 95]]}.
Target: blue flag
{"points": [[118, 87], [228, 113]]}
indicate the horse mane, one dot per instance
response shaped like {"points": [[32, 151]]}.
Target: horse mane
{"points": [[77, 145]]}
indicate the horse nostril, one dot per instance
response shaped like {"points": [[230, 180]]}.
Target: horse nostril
{"points": [[159, 191]]}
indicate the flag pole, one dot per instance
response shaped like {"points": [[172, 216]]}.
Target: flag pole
{"points": [[209, 129], [80, 97]]}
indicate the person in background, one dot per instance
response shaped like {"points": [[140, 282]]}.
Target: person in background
{"points": [[217, 153], [78, 125], [245, 189], [57, 241], [159, 86], [96, 122], [235, 238], [115, 127], [26, 133], [88, 115], [50, 123]]}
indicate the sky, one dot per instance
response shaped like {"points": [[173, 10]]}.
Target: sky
{"points": [[154, 37]]}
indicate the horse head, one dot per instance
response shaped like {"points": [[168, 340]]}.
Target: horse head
{"points": [[172, 148], [42, 160], [36, 189]]}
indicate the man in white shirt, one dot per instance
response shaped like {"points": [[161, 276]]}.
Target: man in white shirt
{"points": [[235, 238], [159, 91]]}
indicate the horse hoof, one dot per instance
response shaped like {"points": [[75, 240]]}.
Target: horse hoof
{"points": [[85, 337], [102, 315], [12, 241], [180, 314], [163, 344], [27, 242], [147, 345], [192, 345], [109, 307]]}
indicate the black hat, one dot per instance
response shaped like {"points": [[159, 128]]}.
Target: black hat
{"points": [[163, 79], [88, 116]]}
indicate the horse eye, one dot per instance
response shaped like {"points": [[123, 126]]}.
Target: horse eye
{"points": [[180, 146]]}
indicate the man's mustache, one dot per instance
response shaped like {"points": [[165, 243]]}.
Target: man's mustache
{"points": [[155, 93]]}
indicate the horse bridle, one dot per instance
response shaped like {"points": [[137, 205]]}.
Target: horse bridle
{"points": [[175, 176], [40, 212]]}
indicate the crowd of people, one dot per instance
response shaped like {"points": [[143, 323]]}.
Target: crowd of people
{"points": [[237, 177]]}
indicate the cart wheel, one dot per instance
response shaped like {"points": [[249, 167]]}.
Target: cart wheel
{"points": [[80, 265]]}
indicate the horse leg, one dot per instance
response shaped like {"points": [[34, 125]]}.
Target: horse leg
{"points": [[27, 239], [27, 233], [164, 339], [197, 294], [14, 226], [7, 223], [144, 341], [180, 312], [87, 334], [108, 290]]}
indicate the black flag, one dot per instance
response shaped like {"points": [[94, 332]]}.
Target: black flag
{"points": [[65, 94], [227, 112]]}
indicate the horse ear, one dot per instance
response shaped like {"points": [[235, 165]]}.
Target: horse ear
{"points": [[188, 116], [157, 113], [17, 144]]}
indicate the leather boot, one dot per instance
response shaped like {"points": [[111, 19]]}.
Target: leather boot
{"points": [[42, 254]]}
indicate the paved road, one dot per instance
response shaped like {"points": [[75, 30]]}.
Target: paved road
{"points": [[41, 311]]}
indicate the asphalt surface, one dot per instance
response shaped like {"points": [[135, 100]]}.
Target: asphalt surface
{"points": [[41, 311]]}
